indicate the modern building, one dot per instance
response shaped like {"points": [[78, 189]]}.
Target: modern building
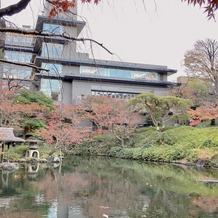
{"points": [[17, 48], [73, 74]]}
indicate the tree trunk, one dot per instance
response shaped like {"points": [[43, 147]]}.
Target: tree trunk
{"points": [[154, 121], [216, 86]]}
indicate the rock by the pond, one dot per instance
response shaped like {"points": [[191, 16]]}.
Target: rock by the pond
{"points": [[208, 181], [9, 166]]}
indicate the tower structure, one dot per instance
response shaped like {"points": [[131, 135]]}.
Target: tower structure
{"points": [[72, 74]]}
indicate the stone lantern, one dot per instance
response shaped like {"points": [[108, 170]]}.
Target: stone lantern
{"points": [[32, 152]]}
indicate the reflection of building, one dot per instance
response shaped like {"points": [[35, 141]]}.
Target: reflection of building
{"points": [[72, 74], [70, 211], [5, 202]]}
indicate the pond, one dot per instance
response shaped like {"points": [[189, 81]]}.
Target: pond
{"points": [[100, 187]]}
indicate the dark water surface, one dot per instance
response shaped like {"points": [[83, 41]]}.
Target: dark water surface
{"points": [[100, 187]]}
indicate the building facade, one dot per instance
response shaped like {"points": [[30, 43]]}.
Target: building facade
{"points": [[71, 74], [18, 48]]}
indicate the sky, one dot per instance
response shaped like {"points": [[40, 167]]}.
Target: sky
{"points": [[155, 32]]}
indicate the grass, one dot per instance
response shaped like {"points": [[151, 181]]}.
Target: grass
{"points": [[182, 143]]}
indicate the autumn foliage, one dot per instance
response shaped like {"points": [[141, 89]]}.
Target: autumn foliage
{"points": [[18, 114], [206, 112], [63, 6], [110, 115], [63, 127], [210, 6], [32, 112], [6, 110]]}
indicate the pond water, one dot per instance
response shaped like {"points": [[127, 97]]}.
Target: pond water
{"points": [[100, 187]]}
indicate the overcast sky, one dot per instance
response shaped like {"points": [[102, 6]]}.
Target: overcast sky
{"points": [[156, 32]]}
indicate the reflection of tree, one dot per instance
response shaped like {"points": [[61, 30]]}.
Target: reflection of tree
{"points": [[114, 196], [16, 214], [173, 187], [168, 204], [206, 204], [17, 197], [67, 184], [95, 194], [11, 183], [119, 188], [26, 207]]}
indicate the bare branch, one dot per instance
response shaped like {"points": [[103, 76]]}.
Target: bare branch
{"points": [[23, 64], [12, 85], [64, 35], [14, 9]]}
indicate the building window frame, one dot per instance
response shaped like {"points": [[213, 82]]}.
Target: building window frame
{"points": [[120, 73], [23, 57], [52, 28], [112, 94], [52, 50], [52, 88], [54, 69]]}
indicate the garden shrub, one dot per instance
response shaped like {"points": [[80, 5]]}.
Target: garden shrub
{"points": [[192, 155], [137, 153], [208, 143], [215, 159], [17, 152], [126, 153], [114, 151], [174, 143], [178, 154], [204, 124], [102, 138], [161, 138]]}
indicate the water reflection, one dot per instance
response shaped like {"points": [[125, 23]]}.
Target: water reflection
{"points": [[92, 188]]}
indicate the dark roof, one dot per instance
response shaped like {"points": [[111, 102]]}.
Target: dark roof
{"points": [[109, 80], [119, 80], [7, 135], [61, 21], [109, 64]]}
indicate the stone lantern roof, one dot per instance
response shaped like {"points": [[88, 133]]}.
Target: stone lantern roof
{"points": [[7, 135]]}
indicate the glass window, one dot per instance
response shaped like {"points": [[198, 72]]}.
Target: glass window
{"points": [[17, 72], [19, 40], [146, 75], [51, 50], [120, 73], [118, 95], [54, 69], [117, 73], [23, 57], [94, 71], [48, 86], [53, 28]]}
